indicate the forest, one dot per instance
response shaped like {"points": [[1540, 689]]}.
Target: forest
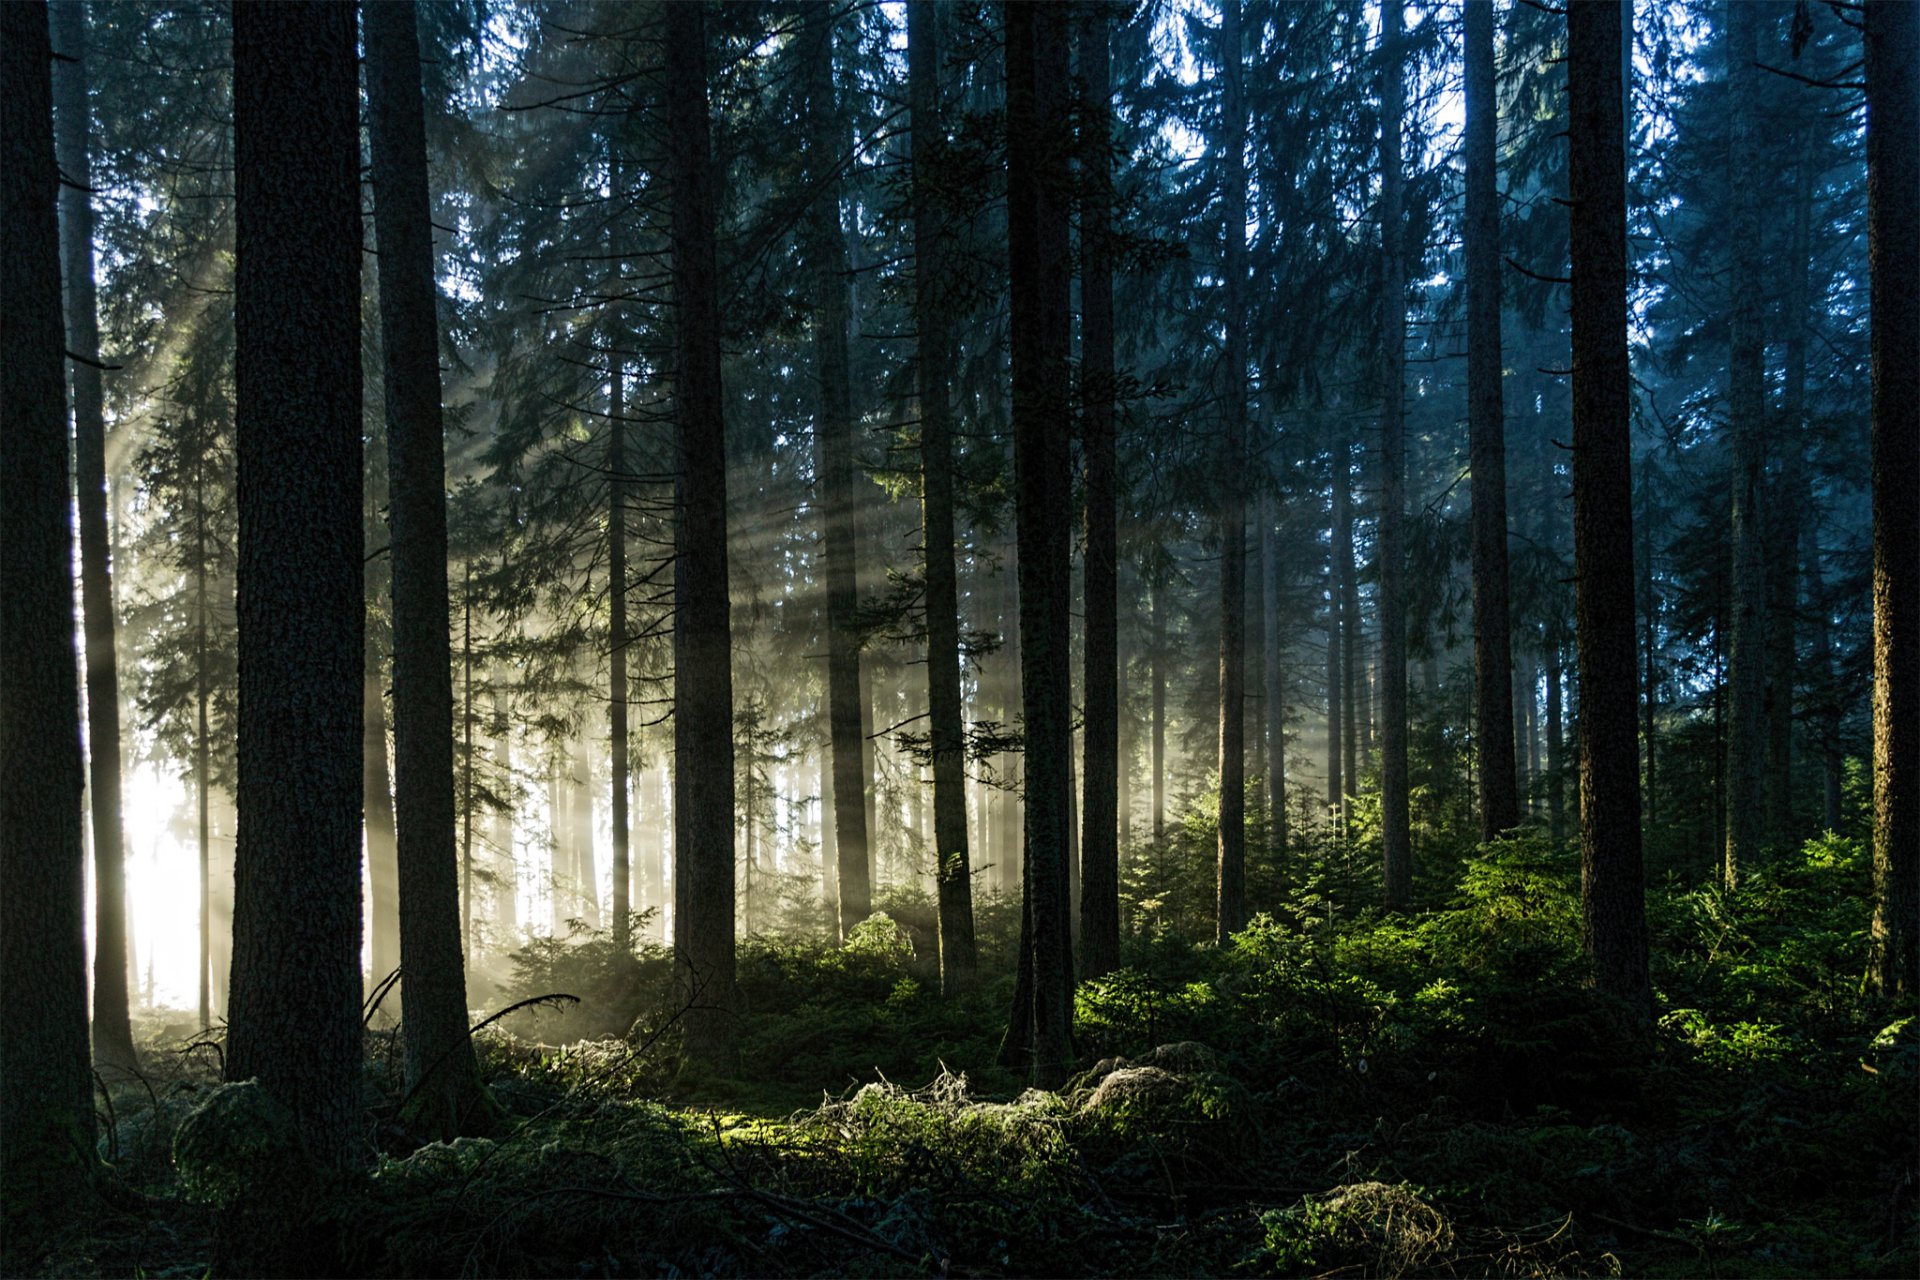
{"points": [[959, 637]]}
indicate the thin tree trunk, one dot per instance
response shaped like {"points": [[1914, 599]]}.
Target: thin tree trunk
{"points": [[440, 1071], [1492, 640], [1038, 251], [1613, 894], [703, 808], [620, 904], [383, 866], [1230, 885], [1893, 220], [1159, 745], [1099, 845], [1395, 825], [46, 1106], [1556, 757], [202, 746], [1650, 696], [1276, 699], [293, 1013], [1351, 716], [1746, 405], [466, 762], [112, 1024], [953, 872], [1832, 761]]}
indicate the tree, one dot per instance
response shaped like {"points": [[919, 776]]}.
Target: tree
{"points": [[1395, 829], [1746, 411], [294, 1011], [703, 668], [833, 446], [1038, 271], [440, 1075], [46, 1089], [1893, 230], [947, 732], [1486, 425], [1231, 869], [1099, 848], [1614, 930]]}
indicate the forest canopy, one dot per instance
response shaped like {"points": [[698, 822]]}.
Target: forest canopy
{"points": [[1127, 636]]}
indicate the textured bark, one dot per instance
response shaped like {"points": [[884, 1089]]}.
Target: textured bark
{"points": [[1486, 426], [1613, 892], [112, 1027], [1746, 407], [1038, 260], [948, 731], [1395, 830], [834, 467], [703, 662], [446, 1095], [1230, 883], [1099, 842], [1893, 220], [294, 1011], [46, 1088]]}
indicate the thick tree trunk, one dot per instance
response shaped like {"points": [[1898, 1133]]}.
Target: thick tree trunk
{"points": [[1230, 914], [1492, 641], [703, 663], [833, 450], [294, 1011], [112, 1026], [446, 1095], [1038, 252], [1893, 221], [1099, 843], [953, 872], [1613, 892], [1395, 828], [1746, 408], [46, 1088]]}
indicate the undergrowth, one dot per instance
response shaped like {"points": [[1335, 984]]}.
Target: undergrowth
{"points": [[1336, 1092]]}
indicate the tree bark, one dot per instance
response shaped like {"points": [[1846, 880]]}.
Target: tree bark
{"points": [[1099, 842], [1038, 259], [294, 1009], [953, 872], [46, 1088], [1893, 222], [1230, 885], [1613, 894], [703, 664], [112, 1025], [1396, 832], [1492, 639], [440, 1071], [1746, 406]]}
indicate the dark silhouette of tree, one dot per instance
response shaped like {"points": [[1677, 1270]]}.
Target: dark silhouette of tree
{"points": [[1486, 425], [703, 667], [1612, 890], [446, 1095], [1396, 836], [294, 1009], [1230, 914], [46, 1089], [1893, 229]]}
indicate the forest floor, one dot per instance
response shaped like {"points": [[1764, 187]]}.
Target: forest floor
{"points": [[1430, 1095]]}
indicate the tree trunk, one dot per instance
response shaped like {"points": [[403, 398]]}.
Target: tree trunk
{"points": [[1832, 760], [1746, 409], [620, 899], [440, 1074], [112, 1026], [834, 462], [1893, 221], [294, 1009], [46, 1088], [1038, 259], [202, 745], [1099, 843], [1230, 914], [1159, 745], [1613, 892], [1492, 641], [1556, 758], [1336, 677], [1396, 832], [1276, 697], [703, 663], [953, 872], [1350, 674]]}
